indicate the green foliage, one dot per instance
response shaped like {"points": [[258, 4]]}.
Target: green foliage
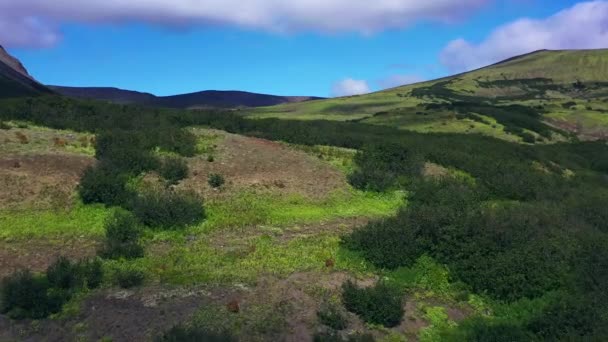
{"points": [[173, 170], [380, 304], [128, 277], [25, 295], [332, 316], [123, 232], [4, 125], [101, 184], [216, 180], [484, 330], [382, 166], [182, 333], [167, 208]]}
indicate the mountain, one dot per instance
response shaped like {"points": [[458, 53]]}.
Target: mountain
{"points": [[544, 95], [209, 98], [15, 80]]}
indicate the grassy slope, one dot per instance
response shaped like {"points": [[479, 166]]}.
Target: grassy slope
{"points": [[403, 109]]}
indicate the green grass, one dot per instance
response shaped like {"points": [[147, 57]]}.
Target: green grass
{"points": [[81, 221], [41, 140], [398, 108], [247, 209]]}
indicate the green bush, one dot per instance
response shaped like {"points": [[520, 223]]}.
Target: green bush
{"points": [[24, 295], [484, 330], [168, 209], [123, 232], [128, 277], [332, 316], [102, 184], [173, 170], [182, 333], [380, 304], [216, 180], [4, 125]]}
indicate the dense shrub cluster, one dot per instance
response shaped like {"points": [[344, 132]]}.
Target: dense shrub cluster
{"points": [[173, 170], [380, 304], [123, 232], [165, 208], [27, 295]]}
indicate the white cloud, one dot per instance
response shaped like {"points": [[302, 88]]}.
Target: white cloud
{"points": [[350, 87], [583, 26], [399, 80], [270, 15]]}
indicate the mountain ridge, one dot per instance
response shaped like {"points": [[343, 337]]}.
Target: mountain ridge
{"points": [[200, 99]]}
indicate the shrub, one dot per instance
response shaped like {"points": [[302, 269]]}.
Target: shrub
{"points": [[102, 184], [128, 277], [24, 295], [166, 208], [380, 304], [65, 275], [182, 333], [331, 316], [216, 180], [4, 125], [484, 330], [123, 232], [173, 170]]}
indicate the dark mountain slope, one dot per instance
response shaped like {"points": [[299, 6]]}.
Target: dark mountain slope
{"points": [[15, 81]]}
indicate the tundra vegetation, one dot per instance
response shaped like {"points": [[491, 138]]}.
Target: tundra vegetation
{"points": [[460, 236]]}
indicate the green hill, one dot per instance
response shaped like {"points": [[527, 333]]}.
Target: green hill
{"points": [[544, 96]]}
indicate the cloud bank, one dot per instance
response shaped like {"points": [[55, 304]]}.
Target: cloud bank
{"points": [[349, 87], [583, 26], [35, 22]]}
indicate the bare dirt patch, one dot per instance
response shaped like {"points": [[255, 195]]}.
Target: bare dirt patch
{"points": [[252, 163], [40, 181], [37, 255]]}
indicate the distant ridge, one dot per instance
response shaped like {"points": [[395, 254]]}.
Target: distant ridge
{"points": [[202, 99]]}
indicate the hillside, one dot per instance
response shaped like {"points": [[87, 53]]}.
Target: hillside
{"points": [[203, 99], [541, 95], [139, 224], [15, 80]]}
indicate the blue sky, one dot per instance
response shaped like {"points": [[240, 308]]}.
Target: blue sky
{"points": [[302, 57]]}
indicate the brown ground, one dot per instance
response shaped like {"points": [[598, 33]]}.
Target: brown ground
{"points": [[37, 255], [251, 163], [40, 181]]}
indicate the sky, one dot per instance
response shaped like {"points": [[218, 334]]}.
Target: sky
{"points": [[284, 47]]}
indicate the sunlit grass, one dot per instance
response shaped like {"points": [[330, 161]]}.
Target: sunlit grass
{"points": [[81, 221]]}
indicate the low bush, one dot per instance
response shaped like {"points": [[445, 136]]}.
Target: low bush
{"points": [[26, 295], [216, 180], [123, 232], [332, 316], [129, 277], [380, 304], [182, 333], [167, 208], [173, 170], [102, 184], [4, 126]]}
